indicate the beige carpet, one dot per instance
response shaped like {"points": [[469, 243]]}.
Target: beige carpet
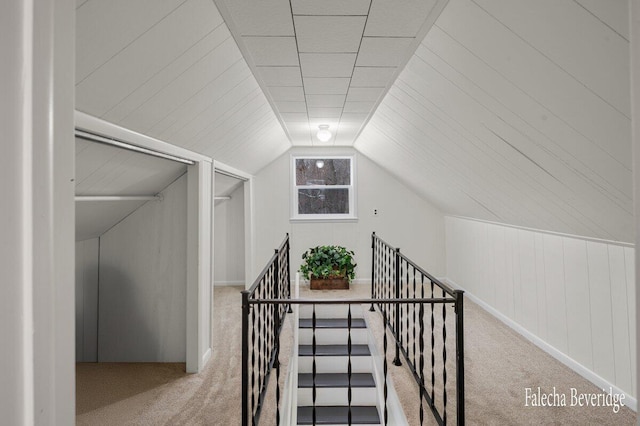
{"points": [[500, 364]]}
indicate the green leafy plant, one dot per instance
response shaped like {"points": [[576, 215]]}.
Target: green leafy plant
{"points": [[328, 262]]}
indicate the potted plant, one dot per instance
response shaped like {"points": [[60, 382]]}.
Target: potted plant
{"points": [[328, 267]]}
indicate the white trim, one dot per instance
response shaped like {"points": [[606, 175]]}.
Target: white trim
{"points": [[229, 283], [630, 401], [206, 357], [543, 231], [98, 126]]}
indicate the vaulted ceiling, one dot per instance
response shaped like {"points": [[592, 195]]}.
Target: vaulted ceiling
{"points": [[514, 111]]}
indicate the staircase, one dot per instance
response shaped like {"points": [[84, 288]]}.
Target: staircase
{"points": [[331, 360]]}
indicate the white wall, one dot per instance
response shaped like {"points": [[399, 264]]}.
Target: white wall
{"points": [[143, 276], [87, 265], [404, 219], [229, 241], [574, 297]]}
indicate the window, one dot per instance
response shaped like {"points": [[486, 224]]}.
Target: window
{"points": [[323, 188]]}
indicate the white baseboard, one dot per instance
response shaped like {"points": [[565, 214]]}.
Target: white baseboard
{"points": [[630, 401], [228, 283], [206, 357]]}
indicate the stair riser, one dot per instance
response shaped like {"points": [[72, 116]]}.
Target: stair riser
{"points": [[337, 396], [331, 311], [335, 364], [333, 336]]}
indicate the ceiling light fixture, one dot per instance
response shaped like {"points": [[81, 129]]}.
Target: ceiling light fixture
{"points": [[319, 164], [323, 134]]}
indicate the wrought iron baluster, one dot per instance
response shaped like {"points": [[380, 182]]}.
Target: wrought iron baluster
{"points": [[421, 316], [444, 359], [349, 363], [433, 351], [313, 368]]}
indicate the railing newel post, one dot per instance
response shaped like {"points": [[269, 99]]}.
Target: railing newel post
{"points": [[245, 358], [373, 270]]}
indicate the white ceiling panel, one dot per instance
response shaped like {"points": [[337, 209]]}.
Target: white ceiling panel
{"points": [[326, 86], [284, 106], [295, 117], [326, 34], [327, 64], [325, 100], [397, 18], [264, 17], [287, 93], [280, 76], [328, 40], [324, 112], [330, 7], [372, 76], [360, 94], [383, 51], [272, 51], [352, 118], [358, 106]]}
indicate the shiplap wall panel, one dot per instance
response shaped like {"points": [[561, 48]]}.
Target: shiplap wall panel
{"points": [[541, 287], [112, 25], [555, 292], [601, 309], [117, 78], [143, 280], [602, 54], [526, 271], [516, 129], [629, 261], [181, 72], [575, 292], [613, 14], [578, 303], [483, 82], [620, 315], [517, 61], [87, 264]]}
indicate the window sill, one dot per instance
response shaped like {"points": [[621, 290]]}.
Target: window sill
{"points": [[352, 219]]}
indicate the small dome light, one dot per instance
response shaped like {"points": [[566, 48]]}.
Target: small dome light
{"points": [[319, 164], [323, 134]]}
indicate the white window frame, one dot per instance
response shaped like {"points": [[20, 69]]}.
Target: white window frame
{"points": [[351, 216]]}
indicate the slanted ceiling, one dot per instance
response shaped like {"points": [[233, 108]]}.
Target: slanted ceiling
{"points": [[514, 111], [171, 70], [517, 111]]}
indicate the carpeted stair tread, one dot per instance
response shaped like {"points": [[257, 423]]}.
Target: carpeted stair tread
{"points": [[336, 380], [334, 350], [332, 323], [331, 415]]}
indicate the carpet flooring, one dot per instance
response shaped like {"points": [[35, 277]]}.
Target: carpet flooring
{"points": [[500, 365]]}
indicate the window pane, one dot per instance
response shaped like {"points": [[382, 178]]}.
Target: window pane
{"points": [[315, 171], [323, 201]]}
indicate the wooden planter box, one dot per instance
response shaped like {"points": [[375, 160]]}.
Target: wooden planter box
{"points": [[329, 284]]}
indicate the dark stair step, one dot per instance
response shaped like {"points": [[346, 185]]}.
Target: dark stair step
{"points": [[332, 323], [336, 380], [334, 350], [331, 415]]}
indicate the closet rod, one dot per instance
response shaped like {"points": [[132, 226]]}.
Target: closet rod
{"points": [[83, 134], [118, 198]]}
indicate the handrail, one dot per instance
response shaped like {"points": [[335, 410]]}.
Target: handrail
{"points": [[396, 277]]}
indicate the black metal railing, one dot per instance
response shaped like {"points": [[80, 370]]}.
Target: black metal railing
{"points": [[261, 326], [405, 295], [394, 276]]}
